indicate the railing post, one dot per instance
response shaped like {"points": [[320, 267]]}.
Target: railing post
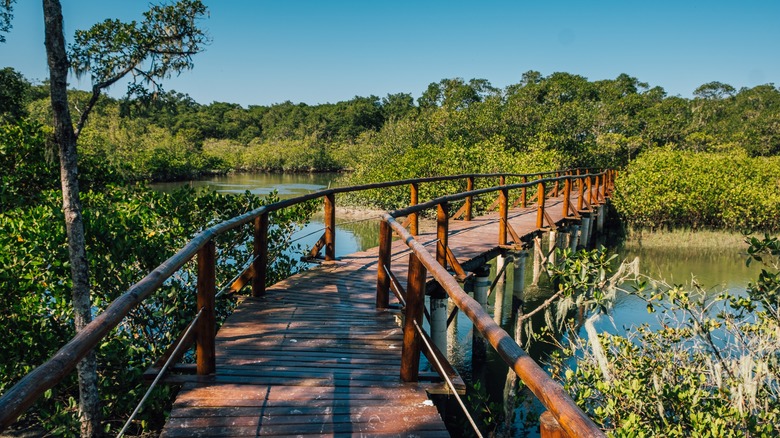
{"points": [[566, 196], [206, 327], [415, 300], [589, 182], [540, 208], [503, 211], [330, 227], [413, 224], [442, 232], [555, 188], [383, 279], [260, 254], [581, 193], [525, 199], [470, 199], [597, 187]]}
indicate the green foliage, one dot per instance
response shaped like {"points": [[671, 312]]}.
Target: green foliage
{"points": [[14, 91], [166, 39], [129, 232], [487, 413], [6, 15], [710, 369], [766, 290], [666, 188], [388, 162], [24, 169]]}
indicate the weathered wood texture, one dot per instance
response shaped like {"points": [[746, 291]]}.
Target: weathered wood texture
{"points": [[313, 356]]}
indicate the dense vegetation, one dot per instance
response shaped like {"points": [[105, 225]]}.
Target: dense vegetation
{"points": [[542, 122], [708, 367], [130, 230], [674, 188]]}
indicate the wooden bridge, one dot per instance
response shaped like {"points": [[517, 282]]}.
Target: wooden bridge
{"points": [[322, 352]]}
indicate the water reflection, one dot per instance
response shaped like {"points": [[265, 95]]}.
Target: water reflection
{"points": [[288, 185]]}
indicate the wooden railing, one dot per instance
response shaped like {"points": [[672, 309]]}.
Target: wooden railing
{"points": [[24, 393], [562, 409]]}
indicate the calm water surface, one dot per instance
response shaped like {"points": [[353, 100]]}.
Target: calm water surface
{"points": [[714, 270], [351, 235]]}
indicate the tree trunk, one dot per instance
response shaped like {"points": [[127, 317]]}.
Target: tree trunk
{"points": [[65, 137]]}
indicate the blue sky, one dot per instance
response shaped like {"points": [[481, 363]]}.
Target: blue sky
{"points": [[318, 51]]}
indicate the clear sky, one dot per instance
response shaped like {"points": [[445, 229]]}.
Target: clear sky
{"points": [[318, 51]]}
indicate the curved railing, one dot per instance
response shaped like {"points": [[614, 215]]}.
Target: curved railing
{"points": [[566, 414], [25, 392]]}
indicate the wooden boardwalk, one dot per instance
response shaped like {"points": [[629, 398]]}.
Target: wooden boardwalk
{"points": [[314, 357]]}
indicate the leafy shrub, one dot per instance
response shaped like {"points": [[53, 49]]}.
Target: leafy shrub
{"points": [[129, 232], [664, 187], [394, 162], [710, 369], [24, 168]]}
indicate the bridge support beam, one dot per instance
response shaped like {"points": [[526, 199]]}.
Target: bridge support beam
{"points": [[481, 285], [585, 232], [439, 315], [481, 289], [452, 330], [574, 237], [552, 243], [518, 278], [600, 218], [538, 260], [498, 310]]}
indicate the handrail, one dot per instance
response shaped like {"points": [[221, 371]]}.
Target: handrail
{"points": [[571, 418], [24, 393]]}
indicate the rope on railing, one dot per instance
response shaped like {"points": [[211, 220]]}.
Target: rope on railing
{"points": [[317, 231], [226, 285], [160, 374], [450, 385]]}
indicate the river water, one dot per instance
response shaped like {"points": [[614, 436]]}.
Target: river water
{"points": [[715, 270]]}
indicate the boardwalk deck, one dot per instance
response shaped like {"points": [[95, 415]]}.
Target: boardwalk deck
{"points": [[314, 357]]}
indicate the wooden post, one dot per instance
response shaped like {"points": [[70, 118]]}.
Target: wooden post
{"points": [[261, 255], [549, 427], [595, 195], [540, 208], [470, 199], [555, 187], [566, 196], [383, 280], [330, 227], [589, 182], [503, 211], [525, 199], [413, 224], [206, 328], [442, 232], [581, 197], [415, 300]]}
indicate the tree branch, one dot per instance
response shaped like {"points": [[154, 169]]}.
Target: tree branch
{"points": [[541, 307], [96, 90]]}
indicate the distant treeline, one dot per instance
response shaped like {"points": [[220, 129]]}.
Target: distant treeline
{"points": [[540, 123]]}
